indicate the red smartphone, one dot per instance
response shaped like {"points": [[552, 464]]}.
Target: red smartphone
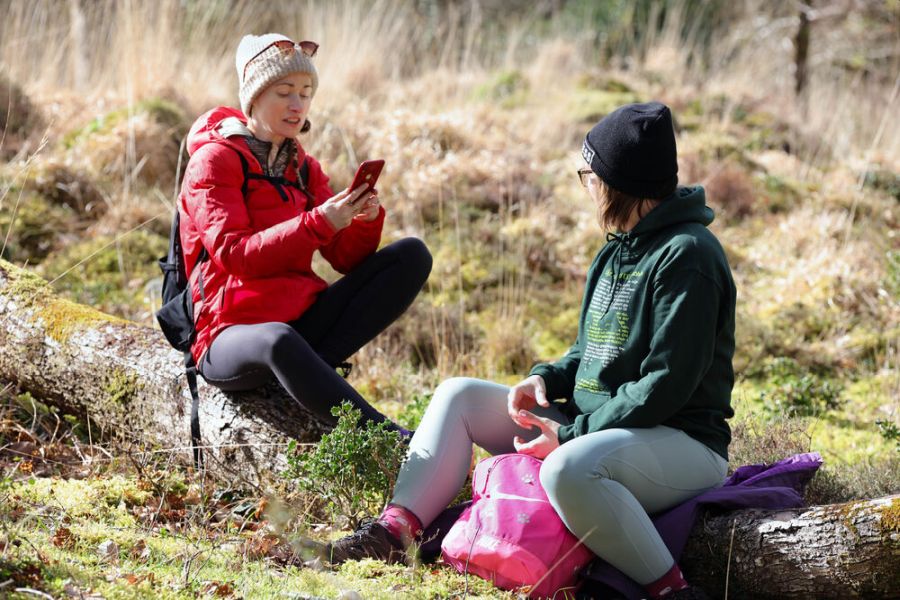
{"points": [[367, 173]]}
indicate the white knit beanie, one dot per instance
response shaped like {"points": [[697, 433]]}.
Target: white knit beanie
{"points": [[265, 64]]}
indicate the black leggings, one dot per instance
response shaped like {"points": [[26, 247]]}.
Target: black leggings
{"points": [[302, 355]]}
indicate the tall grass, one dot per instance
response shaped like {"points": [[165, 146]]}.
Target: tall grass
{"points": [[406, 80]]}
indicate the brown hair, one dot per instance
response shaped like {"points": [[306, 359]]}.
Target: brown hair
{"points": [[616, 207]]}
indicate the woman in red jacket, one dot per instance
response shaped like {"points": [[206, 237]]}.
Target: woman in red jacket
{"points": [[259, 207]]}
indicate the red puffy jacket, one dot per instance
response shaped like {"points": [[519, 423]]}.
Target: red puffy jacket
{"points": [[260, 246]]}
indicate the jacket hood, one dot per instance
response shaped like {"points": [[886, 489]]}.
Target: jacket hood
{"points": [[222, 125], [205, 129], [685, 205]]}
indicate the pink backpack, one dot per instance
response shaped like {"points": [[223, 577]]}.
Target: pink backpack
{"points": [[511, 534]]}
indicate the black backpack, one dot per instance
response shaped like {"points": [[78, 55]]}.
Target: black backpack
{"points": [[176, 316]]}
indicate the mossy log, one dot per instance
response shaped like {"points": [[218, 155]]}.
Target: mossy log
{"points": [[130, 383], [847, 550]]}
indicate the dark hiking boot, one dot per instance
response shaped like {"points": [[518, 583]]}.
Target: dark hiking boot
{"points": [[370, 540]]}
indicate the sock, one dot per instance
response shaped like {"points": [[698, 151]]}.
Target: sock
{"points": [[401, 522], [668, 583]]}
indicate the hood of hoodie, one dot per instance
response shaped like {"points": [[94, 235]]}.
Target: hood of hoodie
{"points": [[685, 205], [224, 125]]}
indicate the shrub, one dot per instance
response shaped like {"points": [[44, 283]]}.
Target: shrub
{"points": [[890, 432], [730, 187], [412, 413], [18, 115], [353, 468], [757, 440], [32, 227], [872, 478], [799, 392]]}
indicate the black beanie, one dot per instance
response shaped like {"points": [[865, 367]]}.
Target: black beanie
{"points": [[632, 149]]}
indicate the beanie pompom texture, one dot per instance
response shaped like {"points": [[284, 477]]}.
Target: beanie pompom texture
{"points": [[632, 149], [265, 64]]}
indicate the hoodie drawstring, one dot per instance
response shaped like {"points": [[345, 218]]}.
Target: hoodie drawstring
{"points": [[619, 241]]}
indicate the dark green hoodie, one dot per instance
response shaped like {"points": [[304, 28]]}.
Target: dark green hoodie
{"points": [[656, 332]]}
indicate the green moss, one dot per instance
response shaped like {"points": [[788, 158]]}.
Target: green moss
{"points": [[34, 225], [779, 194], [110, 276], [60, 317], [890, 518], [599, 82], [508, 88], [884, 180], [160, 110], [121, 387], [589, 106], [23, 285]]}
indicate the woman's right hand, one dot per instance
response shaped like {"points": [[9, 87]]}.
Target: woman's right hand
{"points": [[525, 395], [343, 206]]}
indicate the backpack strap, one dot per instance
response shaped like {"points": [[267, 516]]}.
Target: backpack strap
{"points": [[278, 182], [190, 369]]}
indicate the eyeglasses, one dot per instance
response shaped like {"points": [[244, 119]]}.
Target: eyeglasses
{"points": [[586, 176], [287, 48]]}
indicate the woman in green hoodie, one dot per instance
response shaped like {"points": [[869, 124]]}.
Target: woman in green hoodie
{"points": [[632, 420]]}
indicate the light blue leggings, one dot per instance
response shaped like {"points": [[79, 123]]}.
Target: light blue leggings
{"points": [[603, 485]]}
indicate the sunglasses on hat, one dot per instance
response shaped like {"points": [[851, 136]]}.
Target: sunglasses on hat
{"points": [[287, 48]]}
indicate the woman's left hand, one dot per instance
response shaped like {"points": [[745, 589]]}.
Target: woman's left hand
{"points": [[369, 211], [542, 445]]}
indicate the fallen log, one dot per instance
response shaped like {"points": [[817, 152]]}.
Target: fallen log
{"points": [[849, 550], [128, 381]]}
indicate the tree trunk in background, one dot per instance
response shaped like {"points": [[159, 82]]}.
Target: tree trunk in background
{"points": [[847, 550], [78, 45], [131, 383], [801, 54]]}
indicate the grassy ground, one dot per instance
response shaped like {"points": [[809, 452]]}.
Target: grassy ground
{"points": [[480, 132]]}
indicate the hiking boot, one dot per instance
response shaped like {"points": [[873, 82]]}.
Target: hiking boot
{"points": [[370, 540]]}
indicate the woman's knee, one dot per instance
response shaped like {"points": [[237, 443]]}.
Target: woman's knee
{"points": [[414, 254], [454, 390], [564, 476], [458, 394], [278, 341]]}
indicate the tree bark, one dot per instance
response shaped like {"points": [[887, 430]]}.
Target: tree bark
{"points": [[131, 383], [847, 550]]}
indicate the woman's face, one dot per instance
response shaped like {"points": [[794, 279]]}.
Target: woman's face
{"points": [[279, 112]]}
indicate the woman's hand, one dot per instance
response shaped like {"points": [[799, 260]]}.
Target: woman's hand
{"points": [[524, 396], [369, 211], [542, 445], [341, 208]]}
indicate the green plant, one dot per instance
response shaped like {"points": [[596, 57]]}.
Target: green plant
{"points": [[797, 391], [353, 468], [412, 412], [890, 432]]}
